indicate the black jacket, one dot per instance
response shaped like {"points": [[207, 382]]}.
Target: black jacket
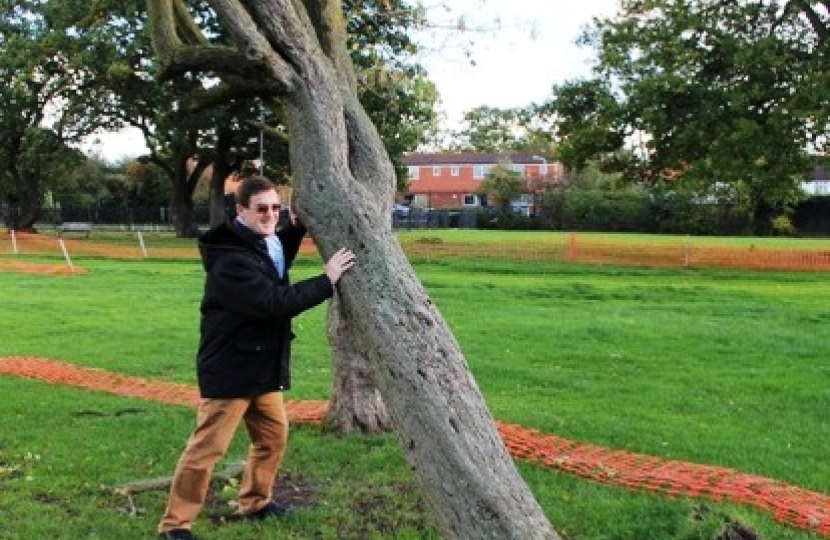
{"points": [[245, 344]]}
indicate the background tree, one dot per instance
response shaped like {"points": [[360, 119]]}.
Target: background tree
{"points": [[49, 101], [86, 185], [502, 185], [144, 185], [488, 129], [343, 184], [494, 130], [718, 93], [590, 125]]}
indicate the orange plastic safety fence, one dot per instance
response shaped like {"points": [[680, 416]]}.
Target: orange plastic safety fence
{"points": [[573, 248], [44, 244], [586, 250], [786, 503]]}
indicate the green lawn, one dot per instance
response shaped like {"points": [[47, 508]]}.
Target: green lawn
{"points": [[716, 367]]}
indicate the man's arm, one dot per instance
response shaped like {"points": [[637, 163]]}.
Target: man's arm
{"points": [[291, 237]]}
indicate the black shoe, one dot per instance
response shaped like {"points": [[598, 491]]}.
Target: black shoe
{"points": [[177, 534], [272, 509]]}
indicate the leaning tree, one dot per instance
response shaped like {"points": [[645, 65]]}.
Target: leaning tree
{"points": [[344, 184]]}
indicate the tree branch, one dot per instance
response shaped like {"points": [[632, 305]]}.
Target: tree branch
{"points": [[330, 27], [186, 26], [169, 22], [232, 470], [232, 87], [256, 47]]}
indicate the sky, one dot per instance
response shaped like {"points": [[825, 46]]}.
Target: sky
{"points": [[531, 47], [527, 47]]}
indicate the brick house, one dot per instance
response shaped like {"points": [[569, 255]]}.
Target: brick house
{"points": [[451, 180]]}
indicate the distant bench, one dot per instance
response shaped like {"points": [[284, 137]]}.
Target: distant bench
{"points": [[74, 226]]}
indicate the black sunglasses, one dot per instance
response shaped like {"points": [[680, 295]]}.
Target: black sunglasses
{"points": [[263, 208]]}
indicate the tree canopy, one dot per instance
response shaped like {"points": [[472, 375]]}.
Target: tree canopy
{"points": [[94, 68], [728, 96], [50, 100]]}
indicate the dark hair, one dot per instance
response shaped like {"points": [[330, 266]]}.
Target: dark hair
{"points": [[250, 186]]}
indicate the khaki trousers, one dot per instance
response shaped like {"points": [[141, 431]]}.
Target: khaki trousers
{"points": [[216, 422]]}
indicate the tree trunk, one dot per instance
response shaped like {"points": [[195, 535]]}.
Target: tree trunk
{"points": [[217, 200], [355, 403], [185, 180], [222, 168], [344, 184], [182, 212], [30, 204]]}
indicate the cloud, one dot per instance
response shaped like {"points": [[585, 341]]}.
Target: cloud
{"points": [[530, 46]]}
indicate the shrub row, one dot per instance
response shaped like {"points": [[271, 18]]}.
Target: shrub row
{"points": [[670, 213]]}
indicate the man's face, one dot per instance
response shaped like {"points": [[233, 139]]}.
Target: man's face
{"points": [[262, 213]]}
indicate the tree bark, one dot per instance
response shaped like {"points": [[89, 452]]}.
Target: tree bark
{"points": [[343, 187], [355, 403]]}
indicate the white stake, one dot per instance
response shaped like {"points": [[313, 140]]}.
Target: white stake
{"points": [[141, 243], [66, 255], [14, 243], [686, 249]]}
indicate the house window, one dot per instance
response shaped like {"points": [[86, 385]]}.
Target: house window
{"points": [[413, 172], [470, 200], [479, 171], [518, 169], [436, 171], [454, 170]]}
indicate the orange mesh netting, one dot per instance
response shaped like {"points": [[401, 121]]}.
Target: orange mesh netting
{"points": [[44, 244], [786, 503], [572, 248], [587, 250]]}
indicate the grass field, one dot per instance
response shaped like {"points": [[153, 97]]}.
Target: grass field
{"points": [[718, 367]]}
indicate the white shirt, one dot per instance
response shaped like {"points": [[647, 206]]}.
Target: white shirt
{"points": [[275, 252]]}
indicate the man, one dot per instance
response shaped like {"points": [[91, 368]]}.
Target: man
{"points": [[244, 352]]}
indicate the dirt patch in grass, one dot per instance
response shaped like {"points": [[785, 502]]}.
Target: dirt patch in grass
{"points": [[374, 511], [291, 492], [385, 513], [731, 529]]}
